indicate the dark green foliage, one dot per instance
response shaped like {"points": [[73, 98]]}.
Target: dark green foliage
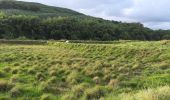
{"points": [[12, 4], [20, 20]]}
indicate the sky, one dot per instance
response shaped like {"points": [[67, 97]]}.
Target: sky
{"points": [[154, 14]]}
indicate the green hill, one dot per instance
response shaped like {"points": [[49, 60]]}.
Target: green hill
{"points": [[34, 21], [121, 70], [12, 7]]}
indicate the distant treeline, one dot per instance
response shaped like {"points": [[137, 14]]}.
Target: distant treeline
{"points": [[24, 42], [74, 28]]}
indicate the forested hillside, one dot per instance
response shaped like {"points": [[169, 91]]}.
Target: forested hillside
{"points": [[36, 21]]}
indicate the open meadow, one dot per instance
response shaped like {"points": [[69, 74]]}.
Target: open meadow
{"points": [[120, 70]]}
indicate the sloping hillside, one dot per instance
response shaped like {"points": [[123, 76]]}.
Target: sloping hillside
{"points": [[12, 7], [64, 71], [25, 20]]}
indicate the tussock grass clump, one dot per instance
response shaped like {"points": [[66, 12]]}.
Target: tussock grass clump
{"points": [[15, 79], [98, 65], [16, 91], [97, 80], [53, 73], [5, 86], [78, 90], [74, 78], [163, 65], [161, 93], [113, 83], [7, 69], [44, 87], [136, 66], [96, 92], [46, 97], [165, 42], [68, 97], [32, 71], [40, 76], [5, 98], [2, 74], [22, 70], [16, 64], [49, 88], [106, 78], [15, 71], [52, 80], [107, 65], [92, 72]]}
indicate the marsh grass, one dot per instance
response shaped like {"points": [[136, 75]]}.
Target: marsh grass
{"points": [[79, 71], [160, 93]]}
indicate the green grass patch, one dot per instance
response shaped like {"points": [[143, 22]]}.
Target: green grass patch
{"points": [[83, 71]]}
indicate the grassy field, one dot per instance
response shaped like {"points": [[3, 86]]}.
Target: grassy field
{"points": [[122, 70]]}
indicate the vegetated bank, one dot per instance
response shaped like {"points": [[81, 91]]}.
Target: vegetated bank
{"points": [[79, 71]]}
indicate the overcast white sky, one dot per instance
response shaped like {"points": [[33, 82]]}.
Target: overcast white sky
{"points": [[152, 13]]}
